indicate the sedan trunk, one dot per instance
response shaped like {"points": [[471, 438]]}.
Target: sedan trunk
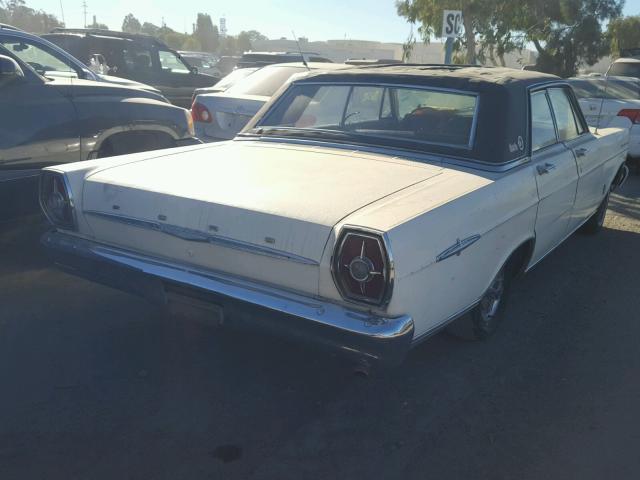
{"points": [[242, 196]]}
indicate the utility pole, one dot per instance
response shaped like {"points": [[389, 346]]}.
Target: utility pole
{"points": [[84, 9]]}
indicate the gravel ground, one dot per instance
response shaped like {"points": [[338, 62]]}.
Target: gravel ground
{"points": [[96, 385]]}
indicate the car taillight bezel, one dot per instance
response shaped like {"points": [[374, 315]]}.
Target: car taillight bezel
{"points": [[632, 114], [54, 183], [197, 110], [339, 271]]}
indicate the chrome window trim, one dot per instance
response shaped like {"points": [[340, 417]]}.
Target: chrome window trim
{"points": [[474, 122], [192, 235], [389, 274], [405, 154]]}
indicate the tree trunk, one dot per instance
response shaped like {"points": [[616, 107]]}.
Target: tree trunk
{"points": [[470, 37]]}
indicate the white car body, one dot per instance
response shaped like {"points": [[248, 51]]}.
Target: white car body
{"points": [[610, 109], [602, 112], [256, 222], [231, 110]]}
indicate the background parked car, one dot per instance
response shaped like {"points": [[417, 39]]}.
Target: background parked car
{"points": [[54, 120], [136, 57], [227, 64], [262, 59], [220, 116], [203, 61], [226, 82], [604, 98], [625, 67], [61, 63]]}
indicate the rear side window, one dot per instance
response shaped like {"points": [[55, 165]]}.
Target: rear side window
{"points": [[137, 59], [543, 131], [566, 121]]}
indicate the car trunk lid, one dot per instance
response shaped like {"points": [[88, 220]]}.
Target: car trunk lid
{"points": [[258, 196]]}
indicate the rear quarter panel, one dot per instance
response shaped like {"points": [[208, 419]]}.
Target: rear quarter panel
{"points": [[426, 221]]}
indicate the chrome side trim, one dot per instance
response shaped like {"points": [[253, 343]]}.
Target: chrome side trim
{"points": [[192, 235], [458, 247], [324, 321]]}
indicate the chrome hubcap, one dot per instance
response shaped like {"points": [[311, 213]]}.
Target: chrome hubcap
{"points": [[490, 303]]}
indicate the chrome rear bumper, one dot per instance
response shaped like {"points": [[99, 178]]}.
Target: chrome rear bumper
{"points": [[245, 303]]}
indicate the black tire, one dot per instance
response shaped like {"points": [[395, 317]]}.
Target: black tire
{"points": [[485, 318], [596, 222]]}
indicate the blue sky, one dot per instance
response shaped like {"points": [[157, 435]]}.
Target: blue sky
{"points": [[317, 20]]}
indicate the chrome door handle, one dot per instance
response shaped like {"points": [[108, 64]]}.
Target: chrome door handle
{"points": [[546, 168], [581, 152]]}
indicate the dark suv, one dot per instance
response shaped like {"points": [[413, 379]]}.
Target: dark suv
{"points": [[141, 58], [50, 118]]}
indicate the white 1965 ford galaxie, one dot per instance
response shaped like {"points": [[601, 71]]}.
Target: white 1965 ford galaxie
{"points": [[362, 209]]}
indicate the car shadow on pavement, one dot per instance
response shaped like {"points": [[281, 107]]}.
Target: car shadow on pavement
{"points": [[103, 385]]}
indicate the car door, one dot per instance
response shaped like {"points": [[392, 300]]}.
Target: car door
{"points": [[177, 79], [38, 125], [573, 132], [556, 176]]}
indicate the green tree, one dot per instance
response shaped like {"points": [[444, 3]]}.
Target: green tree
{"points": [[191, 43], [131, 24], [207, 33], [567, 33], [171, 38], [428, 14], [243, 42], [150, 29], [256, 36], [624, 33], [16, 13], [229, 46]]}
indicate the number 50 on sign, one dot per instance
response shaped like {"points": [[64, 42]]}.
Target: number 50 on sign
{"points": [[452, 23]]}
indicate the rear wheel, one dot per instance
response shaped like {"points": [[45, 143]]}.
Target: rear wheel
{"points": [[483, 321], [596, 222]]}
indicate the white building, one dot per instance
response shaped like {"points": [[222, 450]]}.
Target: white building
{"points": [[341, 50]]}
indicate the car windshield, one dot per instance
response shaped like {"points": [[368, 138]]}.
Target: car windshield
{"points": [[612, 89], [234, 77], [375, 114], [41, 60], [625, 69], [265, 82]]}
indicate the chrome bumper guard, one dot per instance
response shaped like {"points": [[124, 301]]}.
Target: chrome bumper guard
{"points": [[245, 303]]}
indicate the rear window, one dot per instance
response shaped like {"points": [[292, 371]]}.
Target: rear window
{"points": [[264, 82], [378, 114], [625, 69]]}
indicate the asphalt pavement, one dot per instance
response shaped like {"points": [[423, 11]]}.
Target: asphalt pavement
{"points": [[97, 384]]}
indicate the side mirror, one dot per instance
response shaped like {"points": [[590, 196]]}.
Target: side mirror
{"points": [[194, 70], [10, 71]]}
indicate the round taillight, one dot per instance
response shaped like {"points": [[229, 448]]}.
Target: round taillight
{"points": [[55, 200], [200, 113], [362, 268]]}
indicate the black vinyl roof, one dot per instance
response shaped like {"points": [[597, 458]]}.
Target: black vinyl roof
{"points": [[502, 131]]}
